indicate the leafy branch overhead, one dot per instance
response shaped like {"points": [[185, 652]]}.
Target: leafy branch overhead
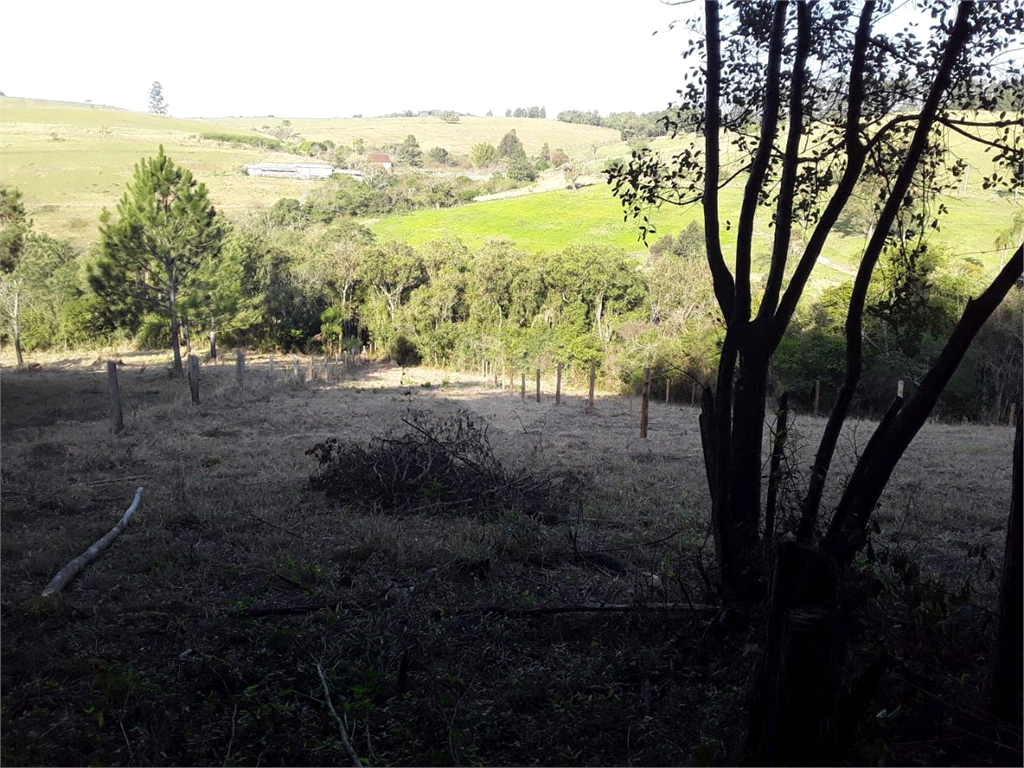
{"points": [[814, 106]]}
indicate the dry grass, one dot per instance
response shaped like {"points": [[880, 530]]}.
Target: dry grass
{"points": [[195, 638]]}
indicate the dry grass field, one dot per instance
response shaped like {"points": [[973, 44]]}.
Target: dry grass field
{"points": [[490, 636]]}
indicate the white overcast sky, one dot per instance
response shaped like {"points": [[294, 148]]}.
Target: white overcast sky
{"points": [[337, 59]]}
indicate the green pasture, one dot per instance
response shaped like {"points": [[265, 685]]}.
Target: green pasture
{"points": [[550, 221]]}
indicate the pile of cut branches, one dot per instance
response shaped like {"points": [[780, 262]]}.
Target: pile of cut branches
{"points": [[438, 463]]}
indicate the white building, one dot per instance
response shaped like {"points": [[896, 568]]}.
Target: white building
{"points": [[300, 171]]}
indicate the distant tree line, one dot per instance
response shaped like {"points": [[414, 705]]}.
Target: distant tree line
{"points": [[535, 112], [633, 128]]}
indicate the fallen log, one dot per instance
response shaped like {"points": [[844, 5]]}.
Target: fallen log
{"points": [[69, 571]]}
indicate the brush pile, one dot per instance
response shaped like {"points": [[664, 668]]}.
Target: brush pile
{"points": [[438, 463]]}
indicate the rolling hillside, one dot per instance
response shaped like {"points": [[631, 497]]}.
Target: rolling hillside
{"points": [[71, 160]]}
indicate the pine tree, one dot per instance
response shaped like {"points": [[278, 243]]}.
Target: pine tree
{"points": [[166, 229], [157, 105]]}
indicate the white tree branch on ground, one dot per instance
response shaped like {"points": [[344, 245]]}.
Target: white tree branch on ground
{"points": [[69, 571]]}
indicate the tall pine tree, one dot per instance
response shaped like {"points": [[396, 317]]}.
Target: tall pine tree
{"points": [[157, 105], [166, 228]]}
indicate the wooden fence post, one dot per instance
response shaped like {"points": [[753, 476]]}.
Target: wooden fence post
{"points": [[645, 403], [213, 345], [1013, 414], [522, 386], [116, 413], [593, 376], [240, 367], [193, 378], [295, 365], [512, 383], [668, 391], [558, 385], [538, 385]]}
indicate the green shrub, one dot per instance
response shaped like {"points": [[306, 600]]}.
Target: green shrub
{"points": [[405, 352], [241, 140]]}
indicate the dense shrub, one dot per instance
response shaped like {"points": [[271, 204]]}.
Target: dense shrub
{"points": [[405, 352]]}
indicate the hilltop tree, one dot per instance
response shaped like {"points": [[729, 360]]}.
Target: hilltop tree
{"points": [[880, 107], [150, 256], [157, 105]]}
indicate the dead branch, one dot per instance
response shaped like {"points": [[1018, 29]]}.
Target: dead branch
{"points": [[72, 569], [341, 726]]}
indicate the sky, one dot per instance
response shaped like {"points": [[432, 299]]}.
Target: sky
{"points": [[344, 58]]}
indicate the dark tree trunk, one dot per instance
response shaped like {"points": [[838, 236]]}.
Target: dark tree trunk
{"points": [[793, 709], [1008, 670], [172, 305]]}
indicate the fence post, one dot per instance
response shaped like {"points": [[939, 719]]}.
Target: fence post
{"points": [[558, 385], [116, 413], [645, 403], [271, 367], [213, 345], [1013, 414], [240, 367], [668, 390], [899, 388], [193, 378], [522, 386], [512, 383], [538, 385], [295, 365], [590, 398]]}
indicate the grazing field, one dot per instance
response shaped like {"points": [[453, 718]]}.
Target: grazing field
{"points": [[497, 636], [72, 160]]}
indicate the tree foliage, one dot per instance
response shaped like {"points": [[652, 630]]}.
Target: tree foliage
{"points": [[484, 155], [409, 152], [817, 99], [165, 229], [157, 105], [14, 226], [510, 146]]}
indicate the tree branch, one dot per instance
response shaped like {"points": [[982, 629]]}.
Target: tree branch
{"points": [[791, 163], [759, 168], [846, 533], [855, 314], [722, 279]]}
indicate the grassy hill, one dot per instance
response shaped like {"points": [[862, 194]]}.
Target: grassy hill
{"points": [[70, 160]]}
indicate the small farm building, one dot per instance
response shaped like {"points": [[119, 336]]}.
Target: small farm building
{"points": [[300, 171]]}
